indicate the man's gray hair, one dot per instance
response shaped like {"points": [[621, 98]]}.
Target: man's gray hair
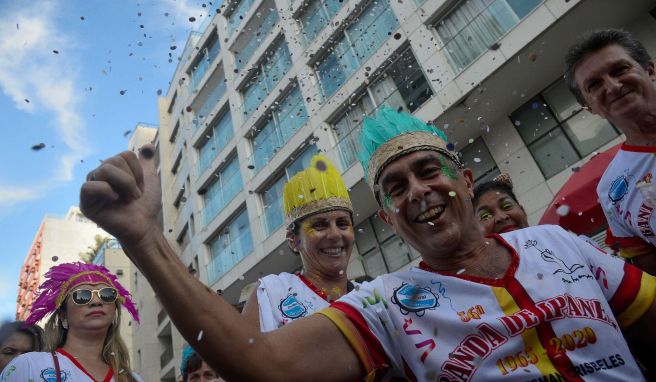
{"points": [[597, 40]]}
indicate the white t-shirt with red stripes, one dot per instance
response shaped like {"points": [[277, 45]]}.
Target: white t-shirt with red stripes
{"points": [[39, 366], [556, 314], [627, 193]]}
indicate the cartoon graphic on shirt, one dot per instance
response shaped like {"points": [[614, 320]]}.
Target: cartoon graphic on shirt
{"points": [[50, 375], [548, 255], [290, 307], [618, 189], [412, 298]]}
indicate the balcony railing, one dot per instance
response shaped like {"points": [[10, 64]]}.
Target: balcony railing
{"points": [[256, 38], [161, 316], [236, 17], [203, 64], [223, 261], [484, 25], [348, 146], [212, 99], [166, 357], [215, 203], [272, 218]]}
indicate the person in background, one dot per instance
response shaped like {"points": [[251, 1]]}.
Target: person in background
{"points": [[612, 75], [472, 303], [497, 207], [194, 369], [82, 337], [17, 339], [318, 215]]}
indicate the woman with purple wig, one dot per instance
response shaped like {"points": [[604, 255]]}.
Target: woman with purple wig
{"points": [[82, 335]]}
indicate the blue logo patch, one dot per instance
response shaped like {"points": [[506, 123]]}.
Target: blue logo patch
{"points": [[411, 298], [50, 375], [290, 307], [618, 189]]}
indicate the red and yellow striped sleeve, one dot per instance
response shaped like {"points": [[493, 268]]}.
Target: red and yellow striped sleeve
{"points": [[363, 342], [634, 296]]}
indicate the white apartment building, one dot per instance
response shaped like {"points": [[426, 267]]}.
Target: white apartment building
{"points": [[58, 240], [268, 83]]}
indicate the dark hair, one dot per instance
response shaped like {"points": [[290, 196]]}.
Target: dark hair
{"points": [[34, 332], [193, 363], [596, 40], [493, 185]]}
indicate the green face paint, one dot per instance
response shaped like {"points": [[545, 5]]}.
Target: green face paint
{"points": [[448, 170], [387, 201]]}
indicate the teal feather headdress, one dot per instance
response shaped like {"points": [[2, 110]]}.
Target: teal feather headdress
{"points": [[391, 134]]}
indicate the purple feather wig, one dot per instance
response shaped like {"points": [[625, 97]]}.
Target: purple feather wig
{"points": [[61, 279]]}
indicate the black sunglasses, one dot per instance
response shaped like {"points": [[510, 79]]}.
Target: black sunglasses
{"points": [[84, 296]]}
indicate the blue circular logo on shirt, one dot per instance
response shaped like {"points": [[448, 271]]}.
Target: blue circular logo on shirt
{"points": [[618, 189], [290, 307], [412, 298]]}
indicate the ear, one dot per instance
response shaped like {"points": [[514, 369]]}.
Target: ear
{"points": [[292, 241], [651, 71], [386, 218], [468, 176]]}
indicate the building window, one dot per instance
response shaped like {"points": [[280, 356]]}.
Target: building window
{"points": [[226, 185], [359, 42], [477, 157], [272, 197], [212, 92], [316, 16], [474, 25], [258, 29], [381, 251], [236, 13], [286, 117], [401, 86], [217, 137], [202, 62], [269, 72], [229, 247], [558, 131]]}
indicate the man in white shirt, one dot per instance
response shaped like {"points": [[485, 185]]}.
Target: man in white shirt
{"points": [[612, 75]]}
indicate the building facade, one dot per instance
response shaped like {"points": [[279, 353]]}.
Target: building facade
{"points": [[269, 83], [58, 240]]}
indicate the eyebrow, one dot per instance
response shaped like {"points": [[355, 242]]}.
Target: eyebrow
{"points": [[418, 163]]}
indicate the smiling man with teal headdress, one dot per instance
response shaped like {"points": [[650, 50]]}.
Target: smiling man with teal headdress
{"points": [[532, 304]]}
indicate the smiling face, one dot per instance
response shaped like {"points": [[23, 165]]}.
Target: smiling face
{"points": [[324, 241], [96, 315], [615, 86], [17, 344], [427, 201], [498, 212]]}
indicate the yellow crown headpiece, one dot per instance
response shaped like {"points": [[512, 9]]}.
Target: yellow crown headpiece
{"points": [[318, 188]]}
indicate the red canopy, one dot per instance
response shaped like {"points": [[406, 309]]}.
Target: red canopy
{"points": [[579, 195]]}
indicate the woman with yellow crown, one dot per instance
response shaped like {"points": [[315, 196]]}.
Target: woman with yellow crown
{"points": [[318, 214]]}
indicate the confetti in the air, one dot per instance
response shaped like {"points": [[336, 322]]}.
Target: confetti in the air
{"points": [[200, 335], [562, 210], [39, 146]]}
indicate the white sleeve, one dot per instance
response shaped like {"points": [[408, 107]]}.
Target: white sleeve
{"points": [[268, 321], [18, 370]]}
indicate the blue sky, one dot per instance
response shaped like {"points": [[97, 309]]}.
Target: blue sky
{"points": [[75, 104]]}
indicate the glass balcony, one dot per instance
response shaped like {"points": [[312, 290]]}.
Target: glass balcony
{"points": [[236, 17], [212, 99], [207, 56], [228, 252], [222, 191], [347, 148], [217, 139], [316, 17], [256, 37], [360, 41], [473, 27], [273, 217], [289, 116]]}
